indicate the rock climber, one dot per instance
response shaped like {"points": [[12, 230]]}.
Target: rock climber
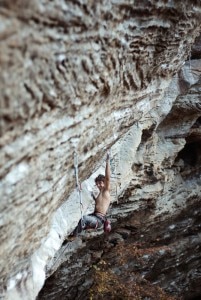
{"points": [[98, 218]]}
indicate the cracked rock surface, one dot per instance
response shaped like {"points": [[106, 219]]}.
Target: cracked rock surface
{"points": [[78, 78]]}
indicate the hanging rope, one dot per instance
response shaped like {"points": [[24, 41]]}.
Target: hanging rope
{"points": [[113, 167], [78, 184]]}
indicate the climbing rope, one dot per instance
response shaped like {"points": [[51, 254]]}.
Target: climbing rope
{"points": [[113, 162], [78, 184]]}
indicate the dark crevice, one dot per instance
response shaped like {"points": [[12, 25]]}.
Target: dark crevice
{"points": [[190, 154], [148, 132]]}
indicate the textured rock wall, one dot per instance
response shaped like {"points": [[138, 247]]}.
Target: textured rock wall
{"points": [[84, 76], [135, 261]]}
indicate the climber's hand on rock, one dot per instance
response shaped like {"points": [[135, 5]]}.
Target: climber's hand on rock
{"points": [[108, 156]]}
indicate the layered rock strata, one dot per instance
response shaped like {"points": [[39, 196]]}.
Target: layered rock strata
{"points": [[82, 77]]}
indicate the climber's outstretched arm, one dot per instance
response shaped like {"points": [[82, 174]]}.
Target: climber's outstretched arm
{"points": [[107, 173]]}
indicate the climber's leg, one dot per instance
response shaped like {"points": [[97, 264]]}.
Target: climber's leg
{"points": [[87, 222], [90, 222]]}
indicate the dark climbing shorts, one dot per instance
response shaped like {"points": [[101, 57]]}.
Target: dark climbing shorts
{"points": [[91, 221], [94, 220]]}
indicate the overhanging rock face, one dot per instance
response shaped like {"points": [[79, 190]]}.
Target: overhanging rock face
{"points": [[82, 77]]}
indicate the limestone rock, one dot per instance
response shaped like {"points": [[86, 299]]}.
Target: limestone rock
{"points": [[80, 77]]}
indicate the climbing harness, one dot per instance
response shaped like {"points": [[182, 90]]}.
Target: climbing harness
{"points": [[105, 222], [78, 185]]}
